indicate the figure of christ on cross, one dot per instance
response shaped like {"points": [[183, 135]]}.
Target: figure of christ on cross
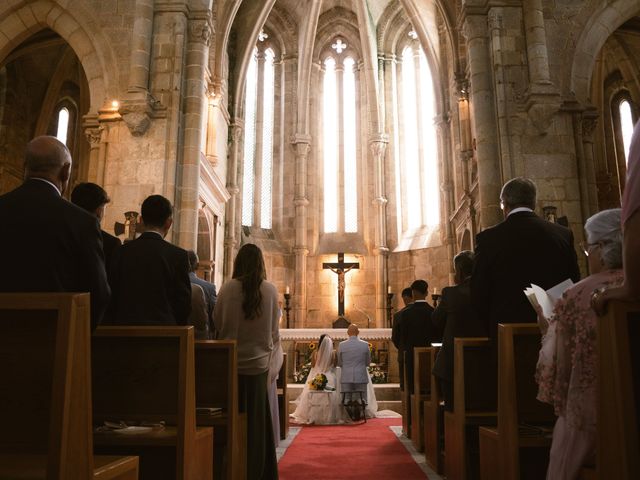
{"points": [[340, 268]]}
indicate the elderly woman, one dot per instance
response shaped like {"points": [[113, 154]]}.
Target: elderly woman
{"points": [[566, 372]]}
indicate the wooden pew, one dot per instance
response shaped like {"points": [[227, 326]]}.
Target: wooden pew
{"points": [[618, 443], [474, 404], [146, 374], [283, 404], [405, 397], [422, 366], [434, 421], [511, 451], [45, 391], [217, 386]]}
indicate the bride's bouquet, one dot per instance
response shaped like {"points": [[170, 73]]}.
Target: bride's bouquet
{"points": [[318, 382]]}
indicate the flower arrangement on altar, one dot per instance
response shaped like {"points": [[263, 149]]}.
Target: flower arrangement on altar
{"points": [[319, 382], [377, 374], [301, 375]]}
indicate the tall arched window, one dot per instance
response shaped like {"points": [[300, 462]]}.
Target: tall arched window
{"points": [[62, 131], [257, 179], [626, 126], [416, 146], [340, 127]]}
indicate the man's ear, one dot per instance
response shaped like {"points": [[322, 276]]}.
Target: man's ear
{"points": [[167, 224], [64, 175]]}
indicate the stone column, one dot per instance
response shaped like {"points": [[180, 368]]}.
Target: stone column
{"points": [[589, 123], [443, 124], [137, 106], [232, 224], [378, 145], [484, 119], [259, 139], [187, 195], [95, 171], [302, 145], [537, 55]]}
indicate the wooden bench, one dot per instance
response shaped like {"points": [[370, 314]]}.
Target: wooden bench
{"points": [[147, 374], [45, 391], [519, 446], [422, 365], [217, 387], [405, 397], [283, 405], [433, 421], [474, 405], [618, 444]]}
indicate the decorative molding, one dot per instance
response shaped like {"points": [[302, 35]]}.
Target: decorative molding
{"points": [[200, 31]]}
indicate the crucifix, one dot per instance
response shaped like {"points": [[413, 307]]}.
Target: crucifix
{"points": [[340, 268]]}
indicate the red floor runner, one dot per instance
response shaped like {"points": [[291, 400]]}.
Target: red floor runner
{"points": [[363, 451]]}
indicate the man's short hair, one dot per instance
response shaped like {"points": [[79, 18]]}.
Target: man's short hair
{"points": [[45, 154], [420, 286], [407, 292], [519, 192], [89, 196], [156, 210], [463, 263], [193, 260]]}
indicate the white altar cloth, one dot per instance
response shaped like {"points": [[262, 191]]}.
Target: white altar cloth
{"points": [[304, 334]]}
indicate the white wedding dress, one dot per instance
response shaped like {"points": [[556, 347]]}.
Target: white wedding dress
{"points": [[325, 407]]}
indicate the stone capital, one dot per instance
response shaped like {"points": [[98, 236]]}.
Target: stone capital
{"points": [[300, 138], [200, 31], [301, 202], [590, 119], [137, 110], [94, 135], [475, 26]]}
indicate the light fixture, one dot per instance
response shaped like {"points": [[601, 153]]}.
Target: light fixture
{"points": [[115, 104]]}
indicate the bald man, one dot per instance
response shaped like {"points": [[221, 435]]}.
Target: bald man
{"points": [[354, 357], [47, 243]]}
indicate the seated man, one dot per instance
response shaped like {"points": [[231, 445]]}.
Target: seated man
{"points": [[354, 357]]}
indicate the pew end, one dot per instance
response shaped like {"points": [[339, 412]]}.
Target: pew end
{"points": [[146, 374], [434, 421], [422, 365], [45, 393], [474, 405]]}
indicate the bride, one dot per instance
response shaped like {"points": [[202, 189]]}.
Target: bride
{"points": [[324, 407]]}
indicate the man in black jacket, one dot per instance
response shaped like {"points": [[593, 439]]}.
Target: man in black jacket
{"points": [[416, 328], [456, 316], [407, 299], [48, 244], [149, 276], [94, 199], [521, 250]]}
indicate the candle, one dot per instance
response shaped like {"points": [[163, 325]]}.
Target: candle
{"points": [[435, 292], [286, 290], [389, 289]]}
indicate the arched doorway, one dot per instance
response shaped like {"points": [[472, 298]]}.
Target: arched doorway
{"points": [[43, 91]]}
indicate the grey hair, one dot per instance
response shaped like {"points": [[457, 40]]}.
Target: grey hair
{"points": [[519, 192], [605, 228]]}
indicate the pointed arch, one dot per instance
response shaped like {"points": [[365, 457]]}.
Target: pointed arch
{"points": [[91, 47]]}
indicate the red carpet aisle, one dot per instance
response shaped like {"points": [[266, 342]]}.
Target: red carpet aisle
{"points": [[363, 451]]}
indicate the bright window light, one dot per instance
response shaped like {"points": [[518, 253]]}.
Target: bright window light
{"points": [[249, 141], [350, 161], [330, 145], [626, 125], [267, 141], [63, 125]]}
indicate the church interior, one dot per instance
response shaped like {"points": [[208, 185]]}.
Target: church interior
{"points": [[375, 134]]}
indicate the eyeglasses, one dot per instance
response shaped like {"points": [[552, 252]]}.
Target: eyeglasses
{"points": [[585, 247]]}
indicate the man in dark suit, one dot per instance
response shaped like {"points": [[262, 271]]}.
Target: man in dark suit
{"points": [[149, 276], [407, 299], [456, 316], [48, 244], [521, 250], [208, 288], [416, 327], [94, 199]]}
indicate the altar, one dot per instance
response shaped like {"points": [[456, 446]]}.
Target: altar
{"points": [[299, 344]]}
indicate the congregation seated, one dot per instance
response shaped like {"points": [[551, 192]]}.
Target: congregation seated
{"points": [[149, 276], [567, 365]]}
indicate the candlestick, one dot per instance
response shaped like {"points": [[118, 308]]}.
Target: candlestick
{"points": [[287, 305], [389, 309]]}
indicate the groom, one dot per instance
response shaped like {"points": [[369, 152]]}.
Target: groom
{"points": [[354, 358]]}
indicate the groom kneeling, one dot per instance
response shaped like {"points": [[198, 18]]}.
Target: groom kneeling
{"points": [[353, 358]]}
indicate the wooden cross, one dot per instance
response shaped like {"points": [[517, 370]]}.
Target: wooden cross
{"points": [[340, 268]]}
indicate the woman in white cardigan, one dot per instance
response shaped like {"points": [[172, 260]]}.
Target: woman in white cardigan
{"points": [[247, 311]]}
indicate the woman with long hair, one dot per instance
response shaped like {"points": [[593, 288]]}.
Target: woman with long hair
{"points": [[247, 311]]}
